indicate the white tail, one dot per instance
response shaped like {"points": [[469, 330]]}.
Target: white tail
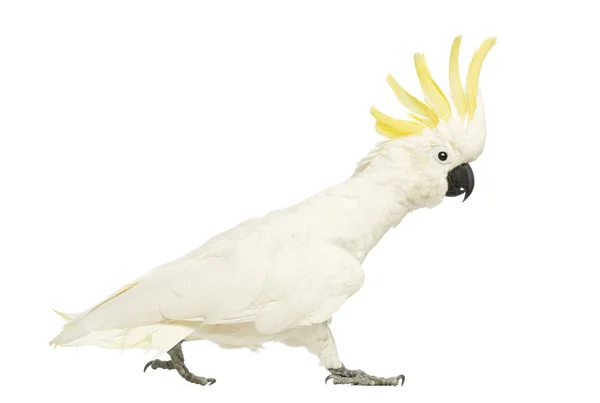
{"points": [[89, 328]]}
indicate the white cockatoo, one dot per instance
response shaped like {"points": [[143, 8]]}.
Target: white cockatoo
{"points": [[282, 276]]}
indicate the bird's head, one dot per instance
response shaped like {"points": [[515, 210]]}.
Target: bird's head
{"points": [[430, 151]]}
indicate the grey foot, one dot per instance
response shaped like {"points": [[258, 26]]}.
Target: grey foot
{"points": [[177, 363], [344, 376], [154, 364]]}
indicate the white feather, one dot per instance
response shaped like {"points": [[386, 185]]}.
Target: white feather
{"points": [[270, 276]]}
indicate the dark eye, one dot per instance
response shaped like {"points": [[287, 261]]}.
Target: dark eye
{"points": [[442, 155]]}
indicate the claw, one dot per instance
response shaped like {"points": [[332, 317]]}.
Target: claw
{"points": [[147, 365], [328, 378], [401, 377], [211, 381]]}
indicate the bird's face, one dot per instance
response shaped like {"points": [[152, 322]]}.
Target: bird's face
{"points": [[430, 152], [436, 164]]}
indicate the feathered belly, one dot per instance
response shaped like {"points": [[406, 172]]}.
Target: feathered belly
{"points": [[242, 335]]}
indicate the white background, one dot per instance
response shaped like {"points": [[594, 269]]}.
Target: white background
{"points": [[133, 131]]}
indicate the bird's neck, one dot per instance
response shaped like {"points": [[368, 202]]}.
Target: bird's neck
{"points": [[363, 209]]}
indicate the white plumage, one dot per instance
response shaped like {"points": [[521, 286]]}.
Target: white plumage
{"points": [[290, 268], [282, 276]]}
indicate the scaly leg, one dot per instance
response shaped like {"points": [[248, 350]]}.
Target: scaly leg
{"points": [[177, 363], [159, 364], [344, 376], [319, 340]]}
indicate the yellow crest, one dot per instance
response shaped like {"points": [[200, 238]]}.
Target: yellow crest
{"points": [[436, 106]]}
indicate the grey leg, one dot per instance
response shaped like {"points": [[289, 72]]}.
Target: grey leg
{"points": [[319, 340], [159, 364], [345, 376], [177, 363]]}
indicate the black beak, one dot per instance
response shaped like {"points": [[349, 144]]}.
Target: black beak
{"points": [[460, 180]]}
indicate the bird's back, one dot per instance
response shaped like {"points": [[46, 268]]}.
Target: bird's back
{"points": [[220, 282]]}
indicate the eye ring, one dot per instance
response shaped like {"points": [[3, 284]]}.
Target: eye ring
{"points": [[442, 155]]}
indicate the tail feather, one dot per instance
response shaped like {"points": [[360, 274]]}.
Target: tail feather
{"points": [[66, 316], [69, 334], [160, 337], [118, 322]]}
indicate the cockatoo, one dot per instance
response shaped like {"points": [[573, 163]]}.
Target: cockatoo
{"points": [[282, 276]]}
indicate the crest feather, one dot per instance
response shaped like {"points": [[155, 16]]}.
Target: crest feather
{"points": [[411, 103], [456, 87], [391, 127], [433, 94], [473, 74], [437, 108]]}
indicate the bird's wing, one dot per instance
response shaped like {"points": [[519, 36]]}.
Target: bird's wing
{"points": [[306, 286], [271, 278], [294, 286]]}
